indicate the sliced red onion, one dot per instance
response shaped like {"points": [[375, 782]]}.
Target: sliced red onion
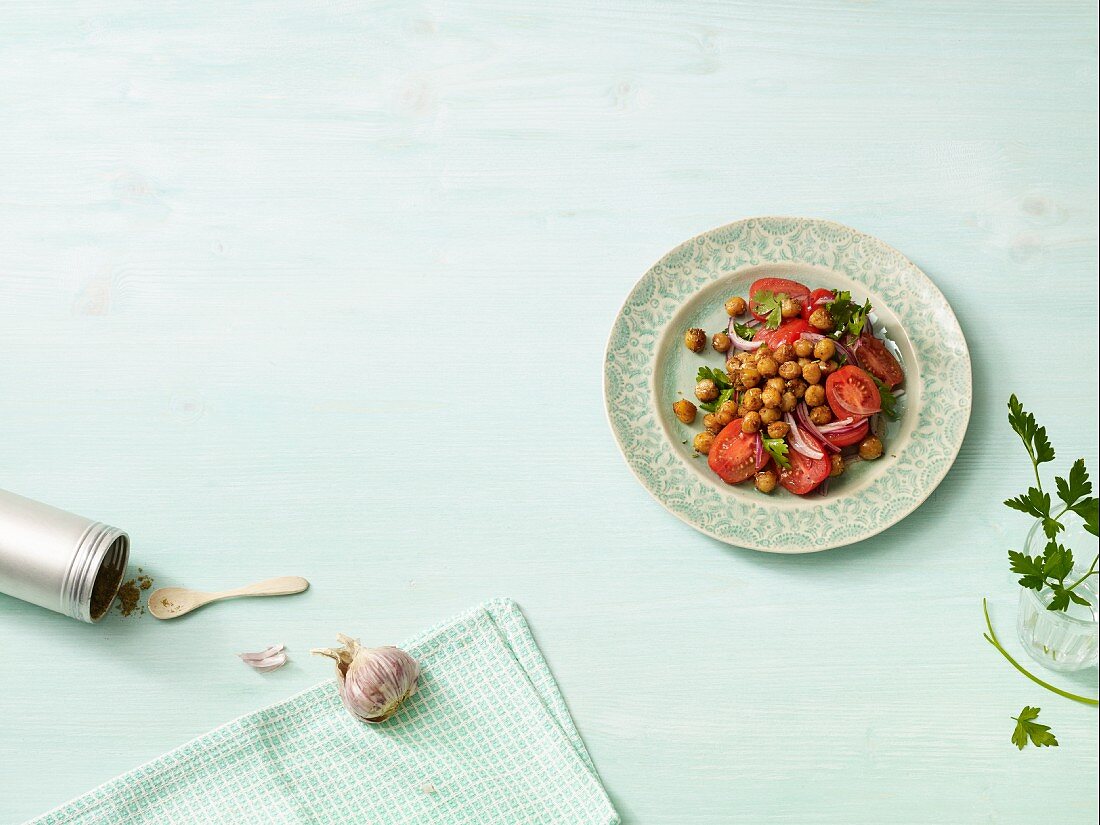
{"points": [[798, 442], [802, 412], [739, 342], [842, 424], [761, 454], [898, 393]]}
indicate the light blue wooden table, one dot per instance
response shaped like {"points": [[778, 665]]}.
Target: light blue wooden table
{"points": [[323, 289]]}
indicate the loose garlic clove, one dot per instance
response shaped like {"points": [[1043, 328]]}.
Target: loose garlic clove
{"points": [[373, 682], [271, 659]]}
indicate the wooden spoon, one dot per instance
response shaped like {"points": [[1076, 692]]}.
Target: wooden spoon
{"points": [[170, 602]]}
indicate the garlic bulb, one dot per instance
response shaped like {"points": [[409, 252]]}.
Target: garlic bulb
{"points": [[372, 681]]}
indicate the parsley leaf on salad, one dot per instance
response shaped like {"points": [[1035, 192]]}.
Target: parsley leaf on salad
{"points": [[889, 400], [769, 304], [744, 331], [722, 381], [847, 316], [777, 448]]}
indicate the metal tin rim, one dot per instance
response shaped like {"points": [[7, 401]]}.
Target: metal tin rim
{"points": [[100, 546]]}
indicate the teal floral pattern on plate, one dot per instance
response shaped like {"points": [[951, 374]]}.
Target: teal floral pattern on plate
{"points": [[647, 367]]}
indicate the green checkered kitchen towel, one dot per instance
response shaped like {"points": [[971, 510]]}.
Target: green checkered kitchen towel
{"points": [[486, 739]]}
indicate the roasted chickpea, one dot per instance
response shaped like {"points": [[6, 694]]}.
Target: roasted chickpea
{"points": [[695, 339], [746, 357], [820, 319], [771, 397], [815, 395], [684, 410], [778, 429], [790, 369], [790, 307], [837, 468], [751, 423], [821, 415], [804, 361], [803, 348], [736, 306], [726, 412], [797, 386], [766, 481], [710, 423], [770, 415], [742, 410], [783, 353], [750, 377], [790, 401], [763, 350], [812, 372], [733, 369], [776, 384], [870, 448], [703, 442], [706, 390], [767, 366], [824, 349], [829, 367], [753, 399], [721, 342]]}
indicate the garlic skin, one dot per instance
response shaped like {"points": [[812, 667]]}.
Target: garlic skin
{"points": [[373, 682]]}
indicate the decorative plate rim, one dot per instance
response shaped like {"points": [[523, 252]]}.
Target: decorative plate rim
{"points": [[683, 495]]}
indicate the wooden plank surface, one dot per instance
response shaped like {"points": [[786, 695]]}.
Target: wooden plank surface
{"points": [[323, 289]]}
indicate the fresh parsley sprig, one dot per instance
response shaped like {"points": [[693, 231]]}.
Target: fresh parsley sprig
{"points": [[727, 392], [745, 331], [777, 449], [770, 304], [848, 317], [889, 400], [1028, 729], [1051, 569]]}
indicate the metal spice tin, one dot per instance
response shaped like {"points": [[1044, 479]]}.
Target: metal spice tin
{"points": [[59, 560]]}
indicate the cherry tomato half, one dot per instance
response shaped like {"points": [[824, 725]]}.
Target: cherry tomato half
{"points": [[851, 391], [792, 289], [805, 474], [815, 296], [853, 437], [878, 361], [786, 333], [733, 454]]}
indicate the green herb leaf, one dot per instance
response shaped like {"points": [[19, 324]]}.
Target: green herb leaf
{"points": [[1035, 503], [770, 304], [745, 331], [847, 316], [1028, 729], [777, 449], [724, 396], [1057, 561], [1034, 437], [1078, 599], [1060, 600], [1089, 512], [717, 376], [889, 401], [1077, 487]]}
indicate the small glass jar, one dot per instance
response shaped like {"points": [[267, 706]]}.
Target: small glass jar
{"points": [[1061, 640]]}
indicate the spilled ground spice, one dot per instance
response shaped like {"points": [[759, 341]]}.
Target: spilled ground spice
{"points": [[129, 594]]}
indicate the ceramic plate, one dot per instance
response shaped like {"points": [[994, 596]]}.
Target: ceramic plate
{"points": [[647, 368]]}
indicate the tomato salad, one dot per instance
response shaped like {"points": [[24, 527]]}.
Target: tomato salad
{"points": [[804, 391]]}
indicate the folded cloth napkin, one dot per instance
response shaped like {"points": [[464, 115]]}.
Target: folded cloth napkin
{"points": [[486, 739]]}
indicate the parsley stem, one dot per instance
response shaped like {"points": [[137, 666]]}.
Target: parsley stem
{"points": [[1092, 570], [992, 639]]}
